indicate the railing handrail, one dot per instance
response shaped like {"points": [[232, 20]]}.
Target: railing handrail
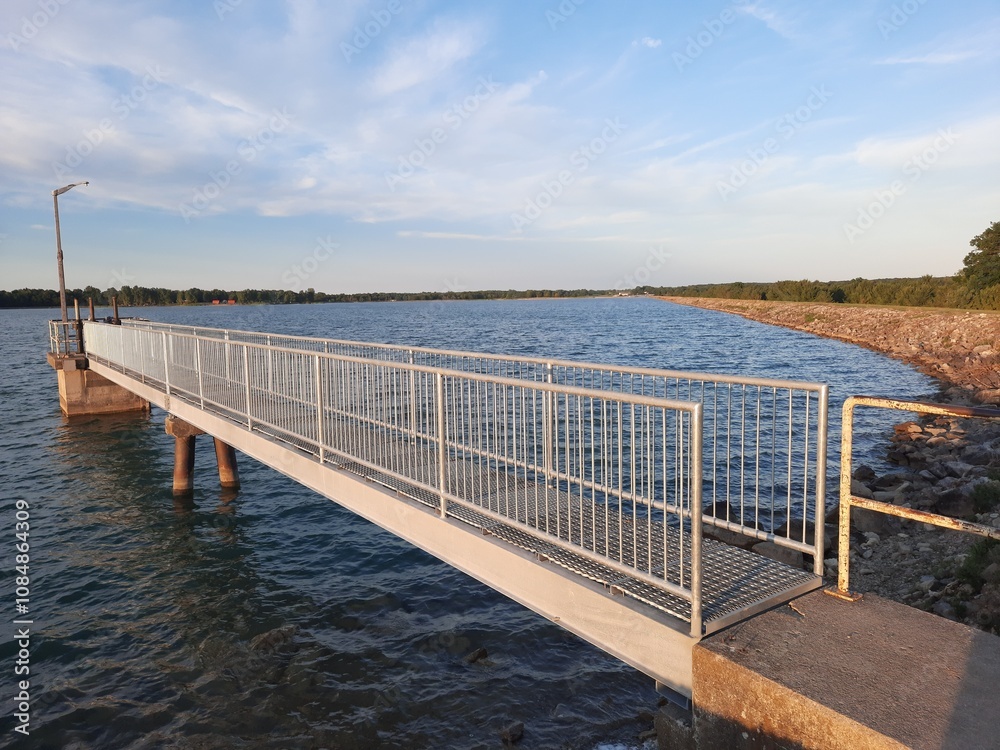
{"points": [[688, 441], [634, 398], [812, 445], [849, 500], [599, 366], [61, 343]]}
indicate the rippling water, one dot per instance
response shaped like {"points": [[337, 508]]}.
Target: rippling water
{"points": [[277, 619]]}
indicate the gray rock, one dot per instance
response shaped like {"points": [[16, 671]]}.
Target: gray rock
{"points": [[957, 468], [955, 503], [780, 554], [477, 655], [860, 489], [890, 481], [991, 573], [943, 609], [864, 474], [512, 733], [726, 536], [977, 455], [864, 520]]}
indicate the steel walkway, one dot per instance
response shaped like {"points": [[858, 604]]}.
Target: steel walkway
{"points": [[572, 495]]}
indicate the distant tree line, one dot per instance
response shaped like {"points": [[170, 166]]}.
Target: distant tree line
{"points": [[141, 296], [927, 291], [976, 286]]}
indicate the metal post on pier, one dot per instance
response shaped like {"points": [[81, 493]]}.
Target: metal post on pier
{"points": [[79, 326]]}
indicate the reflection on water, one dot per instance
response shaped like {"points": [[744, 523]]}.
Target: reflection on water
{"points": [[273, 618]]}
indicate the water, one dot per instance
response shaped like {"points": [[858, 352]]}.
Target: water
{"points": [[277, 619]]}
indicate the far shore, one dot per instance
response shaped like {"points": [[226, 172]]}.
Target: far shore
{"points": [[960, 348]]}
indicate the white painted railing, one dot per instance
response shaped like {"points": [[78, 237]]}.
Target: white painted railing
{"points": [[765, 439], [605, 482]]}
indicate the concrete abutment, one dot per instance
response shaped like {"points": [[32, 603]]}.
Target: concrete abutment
{"points": [[826, 674], [82, 391]]}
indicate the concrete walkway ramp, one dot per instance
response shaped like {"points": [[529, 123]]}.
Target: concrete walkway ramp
{"points": [[824, 673]]}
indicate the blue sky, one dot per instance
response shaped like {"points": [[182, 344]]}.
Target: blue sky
{"points": [[403, 146]]}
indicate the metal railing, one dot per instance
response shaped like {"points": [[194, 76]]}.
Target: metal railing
{"points": [[849, 500], [765, 447], [65, 338], [605, 483]]}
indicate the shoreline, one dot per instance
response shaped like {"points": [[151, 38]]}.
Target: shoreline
{"points": [[945, 465], [959, 348]]}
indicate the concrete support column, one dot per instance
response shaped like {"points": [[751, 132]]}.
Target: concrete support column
{"points": [[183, 465], [184, 435], [225, 456]]}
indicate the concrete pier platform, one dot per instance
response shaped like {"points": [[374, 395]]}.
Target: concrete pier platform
{"points": [[824, 673], [83, 391]]}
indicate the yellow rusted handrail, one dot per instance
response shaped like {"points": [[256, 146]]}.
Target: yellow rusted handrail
{"points": [[849, 500]]}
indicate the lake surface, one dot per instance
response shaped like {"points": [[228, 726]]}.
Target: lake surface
{"points": [[277, 619]]}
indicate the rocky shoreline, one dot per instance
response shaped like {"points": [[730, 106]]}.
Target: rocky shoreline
{"points": [[945, 465]]}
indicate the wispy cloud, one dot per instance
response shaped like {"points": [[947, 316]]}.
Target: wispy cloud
{"points": [[779, 24], [932, 58], [425, 57]]}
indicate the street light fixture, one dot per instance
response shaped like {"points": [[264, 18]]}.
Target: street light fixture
{"points": [[59, 252]]}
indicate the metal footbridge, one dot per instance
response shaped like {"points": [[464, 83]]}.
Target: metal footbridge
{"points": [[595, 495]]}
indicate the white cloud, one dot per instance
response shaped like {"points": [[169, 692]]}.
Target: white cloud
{"points": [[932, 58], [779, 24], [426, 57]]}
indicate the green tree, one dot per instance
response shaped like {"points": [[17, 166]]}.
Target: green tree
{"points": [[982, 265]]}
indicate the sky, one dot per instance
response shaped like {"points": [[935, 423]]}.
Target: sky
{"points": [[426, 145]]}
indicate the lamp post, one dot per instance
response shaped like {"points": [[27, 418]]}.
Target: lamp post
{"points": [[59, 252]]}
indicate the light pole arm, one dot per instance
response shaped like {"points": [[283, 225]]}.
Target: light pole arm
{"points": [[59, 253], [59, 258]]}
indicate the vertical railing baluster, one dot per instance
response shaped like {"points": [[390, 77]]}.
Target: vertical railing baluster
{"points": [[413, 398], [166, 367], [201, 387], [442, 446], [246, 378], [694, 479], [319, 409]]}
